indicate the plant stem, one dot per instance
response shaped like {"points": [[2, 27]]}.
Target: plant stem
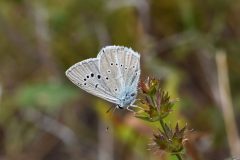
{"points": [[164, 129], [163, 126], [153, 102], [179, 156], [226, 103]]}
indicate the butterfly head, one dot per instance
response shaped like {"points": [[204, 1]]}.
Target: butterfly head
{"points": [[127, 99]]}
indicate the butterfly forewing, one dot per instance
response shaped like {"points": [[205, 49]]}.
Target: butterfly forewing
{"points": [[87, 76]]}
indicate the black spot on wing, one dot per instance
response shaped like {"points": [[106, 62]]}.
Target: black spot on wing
{"points": [[96, 85]]}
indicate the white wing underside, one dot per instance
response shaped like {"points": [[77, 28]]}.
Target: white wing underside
{"points": [[114, 70], [122, 65]]}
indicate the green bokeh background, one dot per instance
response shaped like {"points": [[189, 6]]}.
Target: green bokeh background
{"points": [[43, 116]]}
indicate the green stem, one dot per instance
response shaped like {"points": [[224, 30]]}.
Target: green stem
{"points": [[163, 126], [179, 156], [164, 129], [160, 120], [153, 102]]}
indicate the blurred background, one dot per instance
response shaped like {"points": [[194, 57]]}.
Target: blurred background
{"points": [[192, 46]]}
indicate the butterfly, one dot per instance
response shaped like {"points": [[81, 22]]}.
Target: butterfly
{"points": [[113, 75]]}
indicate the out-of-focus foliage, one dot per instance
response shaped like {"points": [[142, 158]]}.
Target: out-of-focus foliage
{"points": [[49, 95], [44, 116]]}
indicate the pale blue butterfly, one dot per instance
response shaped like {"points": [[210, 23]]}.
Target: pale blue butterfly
{"points": [[113, 75]]}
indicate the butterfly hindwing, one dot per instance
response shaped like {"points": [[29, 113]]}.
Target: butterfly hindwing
{"points": [[87, 76]]}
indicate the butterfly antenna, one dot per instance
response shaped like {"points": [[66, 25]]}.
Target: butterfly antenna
{"points": [[113, 110], [111, 114], [110, 108]]}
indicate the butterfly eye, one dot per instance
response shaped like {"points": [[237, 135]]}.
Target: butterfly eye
{"points": [[92, 74], [87, 76], [84, 79], [85, 84], [111, 64], [106, 78], [96, 85], [120, 107], [98, 76], [116, 64]]}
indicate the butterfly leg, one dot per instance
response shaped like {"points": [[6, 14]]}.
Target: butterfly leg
{"points": [[130, 109], [138, 99], [135, 106]]}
